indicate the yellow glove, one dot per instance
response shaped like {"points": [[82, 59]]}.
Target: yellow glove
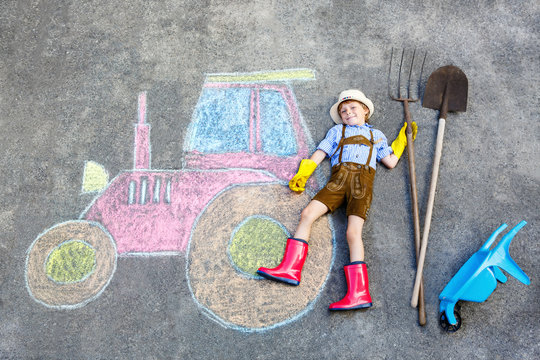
{"points": [[298, 182], [401, 141]]}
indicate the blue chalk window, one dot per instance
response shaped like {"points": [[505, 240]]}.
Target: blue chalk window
{"points": [[277, 133], [221, 121]]}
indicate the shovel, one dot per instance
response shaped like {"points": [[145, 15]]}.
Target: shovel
{"points": [[446, 90]]}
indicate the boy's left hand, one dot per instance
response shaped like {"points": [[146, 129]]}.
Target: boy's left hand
{"points": [[401, 141]]}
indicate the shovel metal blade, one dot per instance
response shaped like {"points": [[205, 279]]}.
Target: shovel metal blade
{"points": [[450, 82]]}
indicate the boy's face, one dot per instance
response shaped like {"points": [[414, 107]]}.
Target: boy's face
{"points": [[353, 112]]}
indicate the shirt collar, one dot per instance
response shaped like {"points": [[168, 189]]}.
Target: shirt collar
{"points": [[361, 126]]}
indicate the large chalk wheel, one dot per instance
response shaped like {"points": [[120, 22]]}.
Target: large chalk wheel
{"points": [[230, 241], [70, 264]]}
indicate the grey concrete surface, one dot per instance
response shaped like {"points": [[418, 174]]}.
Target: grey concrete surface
{"points": [[70, 72]]}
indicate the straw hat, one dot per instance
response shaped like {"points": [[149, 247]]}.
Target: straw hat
{"points": [[351, 94]]}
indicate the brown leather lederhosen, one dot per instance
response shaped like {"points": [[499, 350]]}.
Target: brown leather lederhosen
{"points": [[350, 181]]}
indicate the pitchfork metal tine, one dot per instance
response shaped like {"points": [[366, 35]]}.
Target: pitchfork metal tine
{"points": [[410, 74], [390, 75], [420, 76], [401, 89]]}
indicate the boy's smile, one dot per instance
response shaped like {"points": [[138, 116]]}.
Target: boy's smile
{"points": [[353, 113]]}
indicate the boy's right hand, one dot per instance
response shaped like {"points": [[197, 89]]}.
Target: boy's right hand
{"points": [[298, 182]]}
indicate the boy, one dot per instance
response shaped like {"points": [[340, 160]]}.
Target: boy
{"points": [[353, 147]]}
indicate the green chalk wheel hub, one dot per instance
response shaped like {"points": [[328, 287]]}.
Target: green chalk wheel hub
{"points": [[257, 241], [71, 262]]}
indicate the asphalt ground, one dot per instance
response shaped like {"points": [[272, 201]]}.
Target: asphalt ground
{"points": [[70, 73]]}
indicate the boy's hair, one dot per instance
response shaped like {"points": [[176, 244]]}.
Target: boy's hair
{"points": [[361, 103]]}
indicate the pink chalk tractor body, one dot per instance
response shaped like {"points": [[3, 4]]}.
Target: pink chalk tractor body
{"points": [[244, 143]]}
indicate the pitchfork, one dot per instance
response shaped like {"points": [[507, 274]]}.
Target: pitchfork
{"points": [[407, 94]]}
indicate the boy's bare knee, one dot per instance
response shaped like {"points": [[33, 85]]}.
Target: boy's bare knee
{"points": [[307, 215], [355, 227], [354, 234], [312, 212]]}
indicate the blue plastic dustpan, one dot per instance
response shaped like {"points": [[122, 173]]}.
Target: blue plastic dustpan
{"points": [[477, 278]]}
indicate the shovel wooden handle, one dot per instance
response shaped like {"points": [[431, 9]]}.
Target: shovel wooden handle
{"points": [[429, 211]]}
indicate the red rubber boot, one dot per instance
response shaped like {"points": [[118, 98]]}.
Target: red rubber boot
{"points": [[290, 269], [358, 296]]}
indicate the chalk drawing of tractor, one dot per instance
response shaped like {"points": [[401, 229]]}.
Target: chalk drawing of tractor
{"points": [[228, 209]]}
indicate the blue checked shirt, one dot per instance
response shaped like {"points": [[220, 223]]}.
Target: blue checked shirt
{"points": [[355, 153]]}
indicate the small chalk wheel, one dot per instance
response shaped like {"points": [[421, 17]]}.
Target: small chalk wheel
{"points": [[70, 264]]}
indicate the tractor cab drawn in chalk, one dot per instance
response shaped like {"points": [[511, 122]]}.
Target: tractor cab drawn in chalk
{"points": [[228, 209]]}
